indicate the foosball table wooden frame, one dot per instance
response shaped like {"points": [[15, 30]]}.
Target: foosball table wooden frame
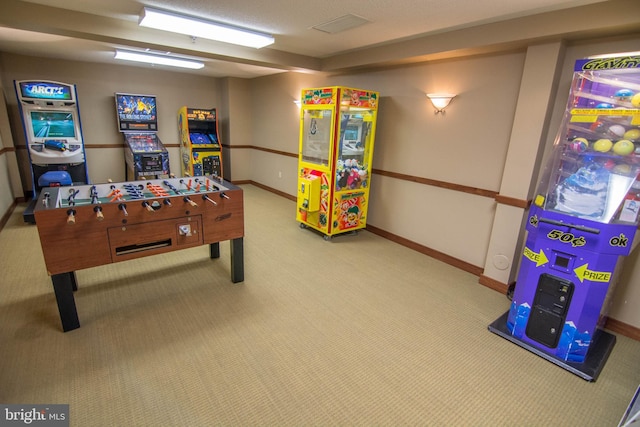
{"points": [[91, 225]]}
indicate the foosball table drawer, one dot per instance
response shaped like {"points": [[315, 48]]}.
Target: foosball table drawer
{"points": [[150, 238]]}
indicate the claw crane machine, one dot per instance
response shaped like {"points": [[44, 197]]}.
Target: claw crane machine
{"points": [[582, 223], [337, 132]]}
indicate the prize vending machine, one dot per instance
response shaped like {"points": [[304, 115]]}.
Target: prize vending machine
{"points": [[53, 134], [199, 142], [582, 222], [337, 133], [145, 156]]}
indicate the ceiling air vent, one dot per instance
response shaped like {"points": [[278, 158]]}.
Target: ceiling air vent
{"points": [[343, 23]]}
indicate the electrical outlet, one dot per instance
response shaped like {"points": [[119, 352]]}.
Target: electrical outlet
{"points": [[279, 174]]}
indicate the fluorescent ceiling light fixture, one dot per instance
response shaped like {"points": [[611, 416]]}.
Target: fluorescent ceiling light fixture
{"points": [[151, 58], [197, 27]]}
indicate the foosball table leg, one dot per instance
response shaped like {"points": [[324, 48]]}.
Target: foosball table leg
{"points": [[74, 282], [214, 250], [237, 260], [63, 285]]}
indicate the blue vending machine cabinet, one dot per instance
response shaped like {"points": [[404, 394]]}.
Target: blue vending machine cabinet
{"points": [[567, 270], [583, 220]]}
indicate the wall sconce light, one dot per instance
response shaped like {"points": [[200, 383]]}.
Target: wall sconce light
{"points": [[440, 101], [198, 27], [298, 102]]}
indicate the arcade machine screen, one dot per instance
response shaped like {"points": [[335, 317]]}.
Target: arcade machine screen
{"points": [[52, 124], [54, 130], [203, 138]]}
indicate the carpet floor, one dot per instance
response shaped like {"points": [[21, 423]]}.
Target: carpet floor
{"points": [[356, 331]]}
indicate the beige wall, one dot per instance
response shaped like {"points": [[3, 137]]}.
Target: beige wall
{"points": [[276, 127], [10, 182], [470, 145], [7, 196], [537, 91], [236, 128]]}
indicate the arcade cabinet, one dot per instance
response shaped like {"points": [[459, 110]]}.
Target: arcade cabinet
{"points": [[582, 223], [145, 155], [337, 132], [53, 134], [199, 142]]}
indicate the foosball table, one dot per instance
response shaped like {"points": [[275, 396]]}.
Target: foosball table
{"points": [[91, 225]]}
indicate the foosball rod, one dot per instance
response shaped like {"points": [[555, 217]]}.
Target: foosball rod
{"points": [[208, 199], [71, 216], [99, 214], [171, 187]]}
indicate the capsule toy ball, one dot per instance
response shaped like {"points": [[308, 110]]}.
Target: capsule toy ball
{"points": [[617, 131], [623, 94], [624, 147], [632, 134], [579, 145], [602, 145]]}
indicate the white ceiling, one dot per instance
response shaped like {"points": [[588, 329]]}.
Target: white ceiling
{"points": [[90, 30]]}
